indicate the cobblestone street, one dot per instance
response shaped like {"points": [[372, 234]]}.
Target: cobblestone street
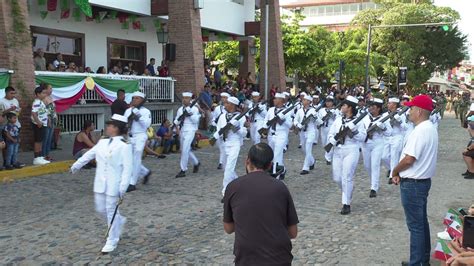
{"points": [[51, 219]]}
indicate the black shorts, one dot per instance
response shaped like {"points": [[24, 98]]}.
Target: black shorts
{"points": [[38, 133], [469, 153]]}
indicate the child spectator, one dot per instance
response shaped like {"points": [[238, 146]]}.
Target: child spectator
{"points": [[12, 137], [39, 120]]}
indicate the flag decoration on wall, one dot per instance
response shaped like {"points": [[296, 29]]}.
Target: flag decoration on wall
{"points": [[4, 82], [65, 9], [52, 5]]}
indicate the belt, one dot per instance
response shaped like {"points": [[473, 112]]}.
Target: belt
{"points": [[415, 180]]}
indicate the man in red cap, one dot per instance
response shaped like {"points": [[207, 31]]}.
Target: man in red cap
{"points": [[414, 172]]}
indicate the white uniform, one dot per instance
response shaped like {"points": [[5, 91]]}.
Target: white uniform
{"points": [[231, 144], [346, 157], [301, 134], [278, 135], [372, 148], [257, 120], [325, 126], [394, 143], [215, 117], [308, 132], [138, 139], [112, 177], [435, 118], [187, 132]]}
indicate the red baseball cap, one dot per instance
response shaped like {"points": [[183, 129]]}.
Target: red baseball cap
{"points": [[422, 101]]}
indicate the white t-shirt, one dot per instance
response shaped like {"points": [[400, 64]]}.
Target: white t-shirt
{"points": [[5, 104], [39, 108], [421, 143]]}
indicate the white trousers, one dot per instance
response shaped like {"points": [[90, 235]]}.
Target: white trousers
{"points": [[254, 128], [307, 148], [138, 143], [302, 137], [392, 152], [372, 154], [231, 155], [186, 139], [278, 143], [105, 207], [220, 144], [324, 142], [344, 165]]}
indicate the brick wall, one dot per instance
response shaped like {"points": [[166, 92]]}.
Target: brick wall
{"points": [[18, 56], [248, 64], [276, 63], [184, 28]]}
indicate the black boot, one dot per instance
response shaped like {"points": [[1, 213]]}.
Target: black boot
{"points": [[146, 178], [304, 172], [196, 168], [181, 174], [311, 167], [131, 188], [373, 193], [219, 167], [346, 209]]}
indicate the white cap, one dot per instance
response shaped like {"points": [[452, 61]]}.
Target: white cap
{"points": [[315, 96], [286, 94], [255, 94], [377, 100], [405, 96], [352, 99], [303, 94], [119, 118], [393, 100], [308, 97], [233, 100], [138, 94], [471, 109], [187, 94], [225, 94], [330, 98], [280, 95], [434, 101]]}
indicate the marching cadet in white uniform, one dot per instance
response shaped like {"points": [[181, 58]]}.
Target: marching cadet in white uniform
{"points": [[140, 119], [112, 175], [215, 116], [328, 115], [308, 130], [295, 111], [187, 129], [373, 146], [435, 116], [316, 103], [409, 125], [346, 152], [287, 103], [394, 143], [257, 118], [278, 134], [232, 141]]}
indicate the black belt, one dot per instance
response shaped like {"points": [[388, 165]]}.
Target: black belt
{"points": [[415, 180]]}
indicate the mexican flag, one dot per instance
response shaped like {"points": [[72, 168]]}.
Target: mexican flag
{"points": [[450, 216], [455, 228], [4, 82], [442, 251]]}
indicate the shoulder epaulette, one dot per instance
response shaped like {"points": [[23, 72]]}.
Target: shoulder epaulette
{"points": [[126, 141]]}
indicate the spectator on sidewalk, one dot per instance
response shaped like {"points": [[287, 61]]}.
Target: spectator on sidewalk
{"points": [[260, 210], [468, 153], [84, 140], [414, 172], [151, 67], [119, 105], [39, 60], [52, 118], [167, 137], [39, 120], [10, 104], [12, 137]]}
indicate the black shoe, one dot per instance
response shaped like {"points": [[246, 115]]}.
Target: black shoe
{"points": [[405, 263], [146, 178], [314, 144], [466, 173], [9, 167], [181, 174], [284, 150], [328, 163], [373, 193], [390, 181], [469, 176], [222, 200], [161, 156], [304, 172], [19, 165], [311, 167], [131, 188], [299, 146], [219, 167], [388, 173], [346, 209], [196, 168]]}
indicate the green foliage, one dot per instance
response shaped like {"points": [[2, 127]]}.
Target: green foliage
{"points": [[226, 52]]}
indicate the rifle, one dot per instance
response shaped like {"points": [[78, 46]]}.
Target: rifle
{"points": [[254, 110], [263, 131], [225, 130], [390, 116], [328, 115], [185, 114], [304, 123], [435, 111], [344, 132]]}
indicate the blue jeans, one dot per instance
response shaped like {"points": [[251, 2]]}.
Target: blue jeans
{"points": [[414, 196], [47, 141], [12, 151]]}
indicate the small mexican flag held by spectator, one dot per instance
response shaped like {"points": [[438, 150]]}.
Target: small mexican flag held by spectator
{"points": [[442, 251], [450, 216], [455, 228]]}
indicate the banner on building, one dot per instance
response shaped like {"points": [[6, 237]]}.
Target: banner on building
{"points": [[4, 82]]}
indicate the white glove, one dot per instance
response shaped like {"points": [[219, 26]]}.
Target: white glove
{"points": [[281, 116], [380, 125], [74, 170], [397, 117], [299, 125], [351, 126], [318, 121], [333, 141], [135, 111], [235, 123], [216, 135], [121, 194], [188, 110]]}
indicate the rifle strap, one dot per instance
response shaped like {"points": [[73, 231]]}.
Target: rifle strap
{"points": [[276, 113], [228, 117], [372, 121]]}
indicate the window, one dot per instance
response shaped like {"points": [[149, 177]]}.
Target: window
{"points": [[345, 9], [337, 10], [52, 41], [123, 52], [329, 10]]}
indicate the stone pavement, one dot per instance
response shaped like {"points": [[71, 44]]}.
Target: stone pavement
{"points": [[50, 219]]}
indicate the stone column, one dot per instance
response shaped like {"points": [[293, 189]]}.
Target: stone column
{"points": [[16, 54], [276, 63], [184, 28], [248, 64]]}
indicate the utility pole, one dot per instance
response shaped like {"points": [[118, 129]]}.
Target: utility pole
{"points": [[266, 47]]}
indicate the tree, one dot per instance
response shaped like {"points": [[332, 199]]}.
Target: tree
{"points": [[421, 51], [226, 52]]}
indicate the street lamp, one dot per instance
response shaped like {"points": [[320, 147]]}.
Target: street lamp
{"points": [[198, 4], [162, 36], [253, 50], [240, 59]]}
